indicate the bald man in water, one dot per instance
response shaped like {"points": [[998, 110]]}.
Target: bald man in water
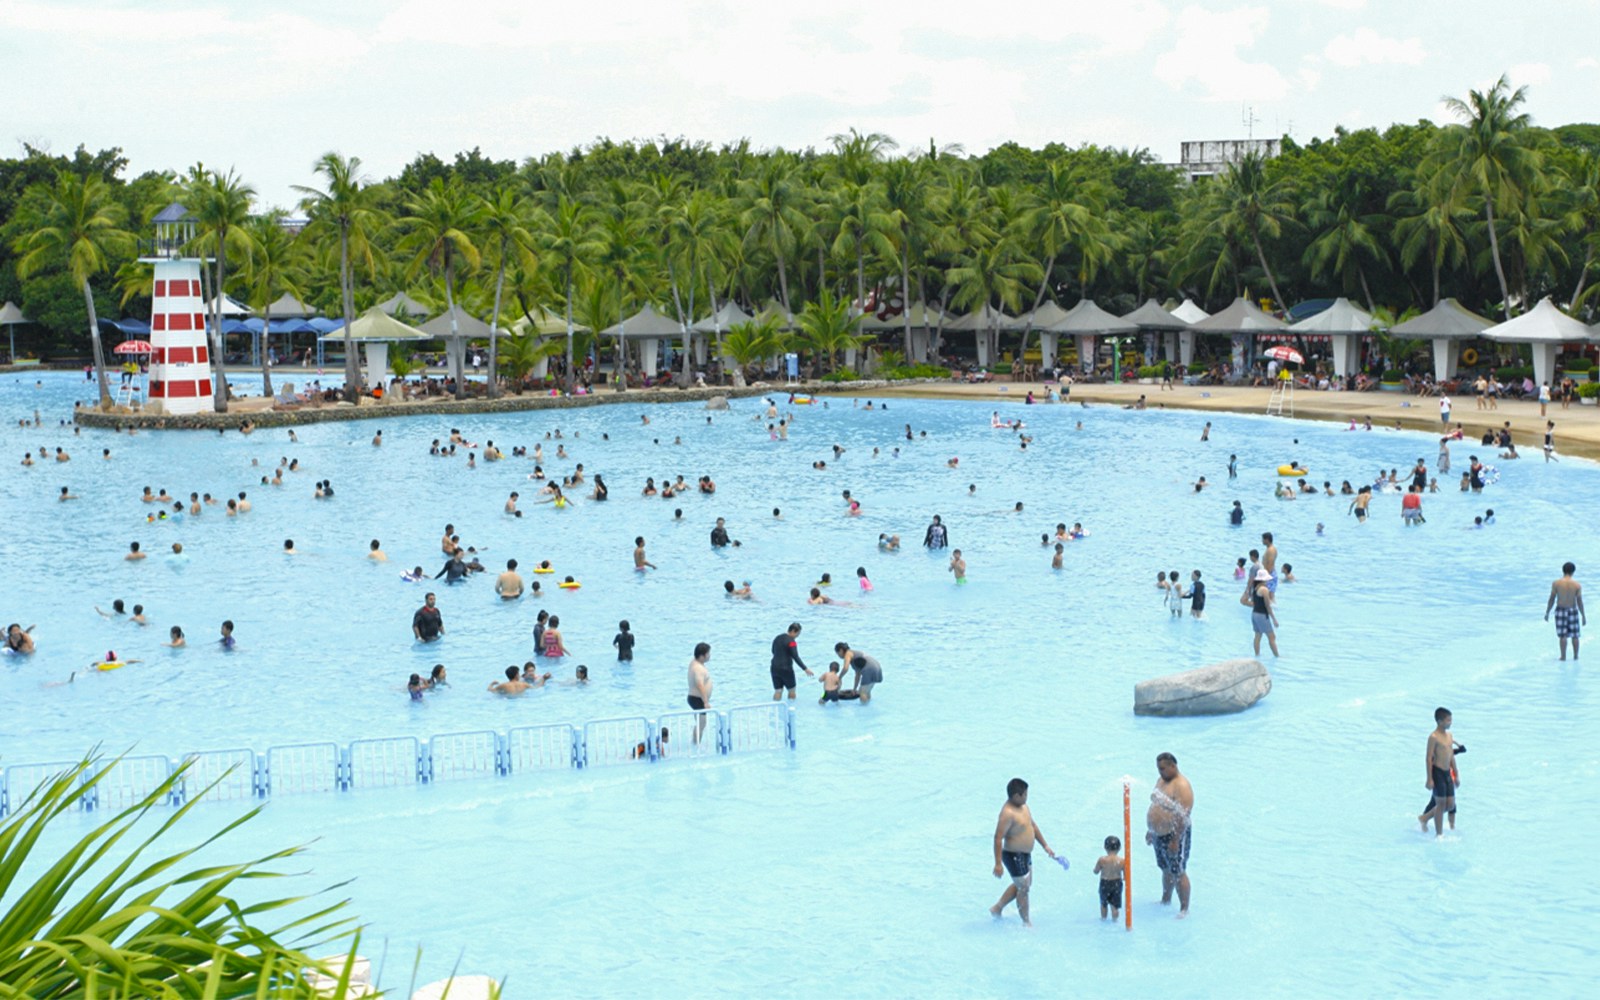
{"points": [[1168, 828]]}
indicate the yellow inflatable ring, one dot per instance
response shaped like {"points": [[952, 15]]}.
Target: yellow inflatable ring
{"points": [[1293, 470], [1469, 357], [110, 665], [545, 570], [569, 586]]}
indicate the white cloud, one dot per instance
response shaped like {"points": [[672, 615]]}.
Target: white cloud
{"points": [[1587, 62], [1366, 47], [1208, 55], [1526, 74], [1344, 4]]}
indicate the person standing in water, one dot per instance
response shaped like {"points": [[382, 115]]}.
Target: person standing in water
{"points": [[1168, 829], [1566, 597], [785, 655], [936, 536], [1014, 837], [700, 686], [1442, 774]]}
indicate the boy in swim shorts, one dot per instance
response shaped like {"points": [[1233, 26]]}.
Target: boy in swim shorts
{"points": [[1014, 837], [1109, 868], [1443, 777]]}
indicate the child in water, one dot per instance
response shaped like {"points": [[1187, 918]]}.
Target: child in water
{"points": [[861, 578], [1109, 868]]}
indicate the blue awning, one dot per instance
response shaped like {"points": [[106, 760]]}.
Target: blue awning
{"points": [[325, 324], [291, 325]]}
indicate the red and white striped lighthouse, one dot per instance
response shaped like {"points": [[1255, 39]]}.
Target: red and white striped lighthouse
{"points": [[180, 360]]}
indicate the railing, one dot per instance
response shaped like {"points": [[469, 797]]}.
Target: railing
{"points": [[242, 774]]}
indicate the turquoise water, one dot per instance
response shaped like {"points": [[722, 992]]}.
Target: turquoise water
{"points": [[860, 862]]}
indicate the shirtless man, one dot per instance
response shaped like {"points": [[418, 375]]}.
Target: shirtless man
{"points": [[1566, 597], [958, 566], [1269, 560], [1167, 829], [640, 563], [512, 685], [1014, 836], [134, 555], [509, 584], [375, 552], [1442, 774], [700, 686], [19, 640]]}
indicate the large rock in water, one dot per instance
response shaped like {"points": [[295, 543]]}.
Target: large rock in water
{"points": [[1220, 689], [717, 403]]}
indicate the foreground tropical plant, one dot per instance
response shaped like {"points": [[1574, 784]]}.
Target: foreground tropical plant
{"points": [[106, 919]]}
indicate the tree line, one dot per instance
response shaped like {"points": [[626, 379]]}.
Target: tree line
{"points": [[1489, 209]]}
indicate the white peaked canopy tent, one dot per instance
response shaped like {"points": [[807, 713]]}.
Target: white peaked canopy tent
{"points": [[718, 322], [1191, 314], [401, 302], [10, 316], [1447, 325], [289, 307], [456, 334], [1086, 321], [1242, 320], [924, 319], [649, 328], [375, 329], [1546, 328], [1346, 324], [979, 323], [229, 307], [1155, 320], [1044, 319]]}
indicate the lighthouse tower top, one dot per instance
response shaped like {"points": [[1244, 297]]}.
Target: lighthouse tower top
{"points": [[175, 228]]}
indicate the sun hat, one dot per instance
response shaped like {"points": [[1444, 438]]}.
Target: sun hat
{"points": [[1262, 574]]}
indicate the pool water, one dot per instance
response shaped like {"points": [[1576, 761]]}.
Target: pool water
{"points": [[860, 862]]}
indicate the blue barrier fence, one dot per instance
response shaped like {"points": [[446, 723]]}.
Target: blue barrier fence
{"points": [[240, 773]]}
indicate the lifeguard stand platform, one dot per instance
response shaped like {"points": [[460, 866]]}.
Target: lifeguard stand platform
{"points": [[180, 360]]}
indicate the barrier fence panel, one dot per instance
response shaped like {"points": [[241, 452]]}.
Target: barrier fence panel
{"points": [[233, 770], [540, 748], [130, 781], [385, 763], [456, 756], [677, 735], [304, 767], [22, 779], [759, 727], [617, 741]]}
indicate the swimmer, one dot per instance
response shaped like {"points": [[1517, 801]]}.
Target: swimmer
{"points": [[511, 502], [437, 679], [1110, 869], [862, 581], [640, 563], [509, 584], [176, 641], [888, 543], [1014, 837], [512, 686], [414, 576], [116, 609], [826, 581], [1200, 484], [377, 439], [554, 648], [66, 495], [532, 677], [623, 640], [19, 640], [1055, 561], [817, 597], [288, 547], [742, 593], [414, 687], [958, 566], [227, 641], [138, 617], [1077, 533], [134, 555]]}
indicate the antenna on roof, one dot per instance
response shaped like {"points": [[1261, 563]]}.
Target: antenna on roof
{"points": [[1247, 115]]}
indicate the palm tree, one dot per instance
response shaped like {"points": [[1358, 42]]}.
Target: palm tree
{"points": [[770, 212], [507, 217], [1256, 205], [1060, 213], [993, 273], [1345, 236], [275, 266], [438, 227], [1491, 151], [862, 223], [349, 208], [748, 343], [570, 241], [75, 222], [855, 156], [221, 205], [1431, 220], [827, 327], [699, 241], [1580, 211], [905, 199], [625, 249]]}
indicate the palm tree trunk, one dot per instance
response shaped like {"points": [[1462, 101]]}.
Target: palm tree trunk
{"points": [[783, 273], [97, 348], [266, 369], [1272, 282], [1365, 291], [1437, 266], [1038, 299], [571, 384], [1494, 250], [1583, 273], [905, 294], [494, 325], [347, 293], [219, 343], [458, 347]]}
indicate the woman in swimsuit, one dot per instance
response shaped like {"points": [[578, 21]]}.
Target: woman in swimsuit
{"points": [[552, 639]]}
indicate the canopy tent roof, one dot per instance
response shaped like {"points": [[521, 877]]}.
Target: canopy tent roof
{"points": [[722, 319], [229, 307], [324, 324], [774, 310], [174, 212], [1449, 320], [1044, 317], [1189, 312], [10, 313], [1543, 324], [543, 322], [400, 301], [1342, 316], [466, 325], [376, 325], [987, 318], [288, 306], [231, 325], [1088, 318], [1243, 316], [1151, 316], [645, 323], [295, 324], [923, 316]]}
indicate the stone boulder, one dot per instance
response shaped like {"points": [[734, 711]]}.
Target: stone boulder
{"points": [[1220, 689], [717, 403]]}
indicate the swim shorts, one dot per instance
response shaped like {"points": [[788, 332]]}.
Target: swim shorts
{"points": [[1567, 623], [1444, 785], [1262, 623], [1173, 860], [1018, 863], [783, 678], [696, 704], [1111, 894]]}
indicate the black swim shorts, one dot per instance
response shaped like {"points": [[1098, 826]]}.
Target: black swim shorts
{"points": [[1444, 785], [783, 678], [1018, 863], [1173, 858], [696, 703], [1111, 894]]}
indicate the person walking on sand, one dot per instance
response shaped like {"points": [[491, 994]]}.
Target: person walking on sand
{"points": [[1168, 829], [1014, 837], [1566, 597]]}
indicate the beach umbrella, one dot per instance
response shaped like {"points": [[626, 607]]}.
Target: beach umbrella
{"points": [[1283, 352], [133, 347]]}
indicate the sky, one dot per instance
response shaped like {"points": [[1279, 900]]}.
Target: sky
{"points": [[268, 87]]}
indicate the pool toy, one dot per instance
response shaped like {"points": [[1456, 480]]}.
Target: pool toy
{"points": [[543, 569], [1469, 357], [569, 585], [1061, 859], [802, 400], [1293, 470]]}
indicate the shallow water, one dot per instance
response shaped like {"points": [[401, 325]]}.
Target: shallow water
{"points": [[860, 862]]}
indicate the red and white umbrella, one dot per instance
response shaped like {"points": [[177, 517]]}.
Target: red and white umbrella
{"points": [[1284, 352], [133, 347]]}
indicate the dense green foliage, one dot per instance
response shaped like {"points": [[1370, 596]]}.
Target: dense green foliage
{"points": [[1490, 209]]}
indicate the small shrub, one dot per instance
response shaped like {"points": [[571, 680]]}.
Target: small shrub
{"points": [[1196, 368], [1588, 390], [1577, 365], [1393, 375], [1518, 372], [842, 375]]}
